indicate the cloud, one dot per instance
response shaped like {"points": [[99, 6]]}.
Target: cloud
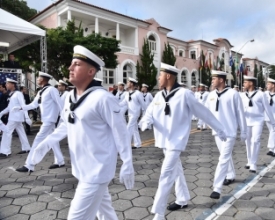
{"points": [[237, 21]]}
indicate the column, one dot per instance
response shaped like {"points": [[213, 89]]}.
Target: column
{"points": [[96, 25], [69, 15], [136, 42], [117, 31], [58, 21]]}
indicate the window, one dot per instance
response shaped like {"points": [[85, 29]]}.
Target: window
{"points": [[152, 43], [183, 76], [181, 53], [194, 80], [193, 55], [108, 76], [127, 72], [248, 68]]}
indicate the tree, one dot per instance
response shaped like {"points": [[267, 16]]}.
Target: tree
{"points": [[60, 43], [168, 56], [256, 70], [18, 8], [146, 70], [261, 81], [233, 72]]}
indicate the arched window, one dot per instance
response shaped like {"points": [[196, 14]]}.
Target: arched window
{"points": [[152, 43], [184, 76], [194, 79], [127, 72], [181, 53]]}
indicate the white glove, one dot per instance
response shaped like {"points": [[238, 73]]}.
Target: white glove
{"points": [[16, 109], [128, 180], [222, 135], [243, 137], [143, 126], [3, 127], [273, 127], [1, 114], [29, 121]]}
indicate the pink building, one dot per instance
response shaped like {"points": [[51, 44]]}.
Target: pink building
{"points": [[131, 32]]}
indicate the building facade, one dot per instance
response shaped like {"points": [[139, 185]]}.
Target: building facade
{"points": [[131, 33]]}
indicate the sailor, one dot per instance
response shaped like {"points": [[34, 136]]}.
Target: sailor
{"points": [[147, 96], [98, 80], [135, 102], [194, 91], [96, 134], [62, 88], [202, 96], [15, 120], [50, 106], [226, 105], [173, 128], [255, 104], [236, 88], [183, 85], [270, 93]]}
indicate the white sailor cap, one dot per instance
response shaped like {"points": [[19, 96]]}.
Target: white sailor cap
{"points": [[132, 80], [71, 87], [201, 84], [144, 85], [86, 55], [249, 78], [121, 83], [216, 73], [270, 80], [61, 82], [169, 69], [45, 75], [260, 87], [11, 80], [193, 86], [182, 84], [98, 80], [235, 86]]}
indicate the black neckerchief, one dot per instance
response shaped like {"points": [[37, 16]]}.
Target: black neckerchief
{"points": [[74, 104], [61, 94], [131, 93], [10, 95], [166, 97], [271, 100], [219, 94], [120, 94], [144, 96], [202, 94], [41, 92], [250, 104]]}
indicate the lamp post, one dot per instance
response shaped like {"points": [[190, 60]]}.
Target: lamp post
{"points": [[252, 40]]}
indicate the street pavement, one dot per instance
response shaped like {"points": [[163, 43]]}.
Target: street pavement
{"points": [[46, 194]]}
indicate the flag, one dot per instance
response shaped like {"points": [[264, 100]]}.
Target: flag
{"points": [[241, 68], [206, 60], [246, 71], [201, 60], [218, 63], [231, 62]]}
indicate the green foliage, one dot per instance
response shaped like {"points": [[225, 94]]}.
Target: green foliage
{"points": [[204, 71], [146, 70], [256, 70], [261, 80], [233, 72], [168, 56], [60, 43], [18, 8], [271, 71]]}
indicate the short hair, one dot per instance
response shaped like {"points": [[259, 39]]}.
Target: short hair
{"points": [[21, 88], [4, 85], [222, 77]]}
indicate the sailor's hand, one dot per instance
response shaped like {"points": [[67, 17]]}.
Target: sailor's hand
{"points": [[222, 135], [243, 137], [29, 121], [128, 180], [16, 109]]}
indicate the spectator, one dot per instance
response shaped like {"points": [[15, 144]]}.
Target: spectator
{"points": [[11, 63]]}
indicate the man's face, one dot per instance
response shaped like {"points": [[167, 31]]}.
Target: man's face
{"points": [[80, 71], [1, 88], [247, 84], [9, 86], [270, 86], [144, 89], [40, 80], [24, 90], [11, 57], [215, 82], [162, 79], [121, 87], [114, 87], [193, 89], [202, 88], [61, 88]]}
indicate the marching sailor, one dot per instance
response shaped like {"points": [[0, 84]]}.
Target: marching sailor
{"points": [[236, 88], [96, 133], [15, 98], [270, 93], [193, 89], [62, 88], [226, 105], [99, 81], [135, 102], [173, 128], [147, 96], [120, 95], [50, 106], [255, 104], [202, 96]]}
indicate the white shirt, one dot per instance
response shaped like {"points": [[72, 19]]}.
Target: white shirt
{"points": [[267, 94], [50, 106], [147, 98], [120, 95], [16, 99], [63, 97], [230, 111], [136, 104], [98, 134], [255, 114], [172, 131], [202, 97]]}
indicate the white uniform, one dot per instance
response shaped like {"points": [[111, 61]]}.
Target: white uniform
{"points": [[231, 114], [135, 106], [147, 97], [172, 132], [15, 120], [101, 135], [271, 138], [63, 98], [50, 107], [202, 97], [255, 120], [120, 95]]}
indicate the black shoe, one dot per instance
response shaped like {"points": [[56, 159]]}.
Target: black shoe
{"points": [[215, 195], [198, 129], [3, 156], [55, 166], [29, 133], [134, 147], [270, 153], [252, 171], [23, 152], [175, 206], [247, 167], [23, 170], [227, 182]]}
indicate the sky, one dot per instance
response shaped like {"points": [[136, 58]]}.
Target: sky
{"points": [[236, 20]]}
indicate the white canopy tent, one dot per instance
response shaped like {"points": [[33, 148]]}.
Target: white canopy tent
{"points": [[17, 32]]}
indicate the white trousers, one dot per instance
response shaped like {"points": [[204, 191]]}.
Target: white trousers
{"points": [[253, 143], [271, 138], [171, 172], [90, 201], [7, 136], [201, 124], [225, 167], [45, 130], [132, 127]]}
